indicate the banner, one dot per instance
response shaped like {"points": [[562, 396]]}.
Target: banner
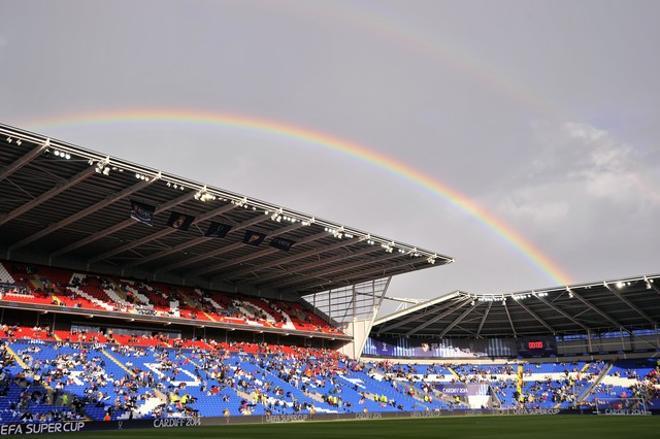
{"points": [[282, 244], [142, 213], [217, 230], [35, 428], [78, 426], [453, 389], [180, 221], [253, 238], [403, 347]]}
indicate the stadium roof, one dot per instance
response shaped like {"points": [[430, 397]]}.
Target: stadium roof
{"points": [[626, 304], [68, 206]]}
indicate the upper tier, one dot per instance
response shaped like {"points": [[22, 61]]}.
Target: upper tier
{"points": [[116, 297]]}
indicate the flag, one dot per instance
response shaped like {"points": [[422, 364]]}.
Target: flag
{"points": [[142, 213], [253, 238], [180, 221], [217, 230], [282, 243]]}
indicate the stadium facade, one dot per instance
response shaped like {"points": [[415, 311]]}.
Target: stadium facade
{"points": [[131, 294]]}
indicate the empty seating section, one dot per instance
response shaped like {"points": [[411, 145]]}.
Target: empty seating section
{"points": [[64, 376], [51, 286], [5, 277]]}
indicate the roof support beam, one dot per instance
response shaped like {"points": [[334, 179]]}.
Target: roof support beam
{"points": [[536, 316], [630, 305], [375, 310], [464, 329], [355, 277], [319, 274], [221, 250], [22, 161], [311, 265], [263, 280], [653, 286], [132, 244], [246, 258], [157, 235], [229, 263], [597, 310], [483, 319], [121, 226], [562, 313], [403, 300], [414, 317], [584, 311], [458, 320], [242, 259], [82, 213], [313, 252], [55, 191], [196, 241], [508, 316], [440, 316]]}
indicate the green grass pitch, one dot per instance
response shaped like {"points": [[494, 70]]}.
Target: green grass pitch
{"points": [[484, 427]]}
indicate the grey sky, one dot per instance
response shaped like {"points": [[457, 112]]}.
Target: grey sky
{"points": [[544, 113]]}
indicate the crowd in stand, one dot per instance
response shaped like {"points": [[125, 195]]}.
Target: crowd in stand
{"points": [[24, 389], [259, 378], [255, 378], [61, 288], [645, 388], [119, 394], [12, 288], [532, 389], [48, 376], [651, 385]]}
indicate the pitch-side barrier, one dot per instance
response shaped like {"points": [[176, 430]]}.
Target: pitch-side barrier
{"points": [[81, 426]]}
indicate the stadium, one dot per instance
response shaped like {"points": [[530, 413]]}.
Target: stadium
{"points": [[136, 300]]}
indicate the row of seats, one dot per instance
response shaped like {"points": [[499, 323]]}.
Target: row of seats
{"points": [[59, 375], [552, 385], [52, 286], [625, 380], [106, 376]]}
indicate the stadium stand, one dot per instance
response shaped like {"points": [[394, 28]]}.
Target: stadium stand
{"points": [[66, 289], [628, 380], [71, 375], [111, 309]]}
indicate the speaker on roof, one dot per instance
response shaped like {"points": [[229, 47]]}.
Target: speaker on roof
{"points": [[217, 230], [282, 244], [142, 213], [253, 238], [180, 221]]}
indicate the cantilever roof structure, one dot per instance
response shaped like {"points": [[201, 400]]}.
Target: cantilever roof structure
{"points": [[64, 205], [623, 304]]}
